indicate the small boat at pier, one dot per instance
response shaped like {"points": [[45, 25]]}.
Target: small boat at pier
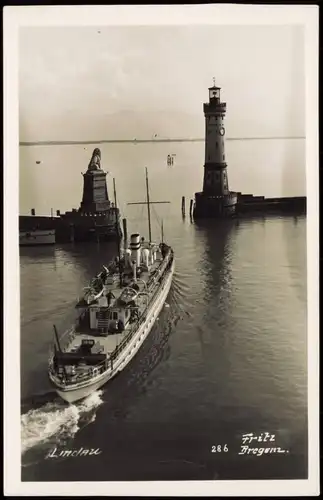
{"points": [[37, 237], [115, 315]]}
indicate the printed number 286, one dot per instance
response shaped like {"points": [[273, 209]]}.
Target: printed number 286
{"points": [[219, 448]]}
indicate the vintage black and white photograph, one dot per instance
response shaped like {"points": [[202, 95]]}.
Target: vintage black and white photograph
{"points": [[166, 205]]}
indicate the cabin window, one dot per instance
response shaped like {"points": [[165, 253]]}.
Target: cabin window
{"points": [[114, 315]]}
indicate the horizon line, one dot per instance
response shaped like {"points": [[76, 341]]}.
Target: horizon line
{"points": [[141, 141]]}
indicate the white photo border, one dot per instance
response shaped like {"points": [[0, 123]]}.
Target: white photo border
{"points": [[217, 14]]}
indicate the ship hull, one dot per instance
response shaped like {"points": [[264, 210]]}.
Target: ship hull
{"points": [[75, 393], [78, 233], [35, 238]]}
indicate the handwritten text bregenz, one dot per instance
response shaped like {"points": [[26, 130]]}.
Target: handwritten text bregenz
{"points": [[265, 438]]}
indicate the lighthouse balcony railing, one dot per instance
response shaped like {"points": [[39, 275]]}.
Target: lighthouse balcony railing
{"points": [[216, 102], [211, 107]]}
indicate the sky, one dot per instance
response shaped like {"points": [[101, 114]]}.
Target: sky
{"points": [[80, 83]]}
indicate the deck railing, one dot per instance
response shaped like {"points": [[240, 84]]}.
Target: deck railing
{"points": [[141, 320]]}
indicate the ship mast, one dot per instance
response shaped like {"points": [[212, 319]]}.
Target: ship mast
{"points": [[57, 339], [148, 203], [148, 206], [117, 228], [59, 348]]}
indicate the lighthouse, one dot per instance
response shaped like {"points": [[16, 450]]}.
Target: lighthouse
{"points": [[215, 200]]}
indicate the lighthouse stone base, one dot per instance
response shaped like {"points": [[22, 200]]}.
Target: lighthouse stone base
{"points": [[211, 206]]}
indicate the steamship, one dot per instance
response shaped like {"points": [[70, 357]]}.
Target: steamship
{"points": [[114, 316]]}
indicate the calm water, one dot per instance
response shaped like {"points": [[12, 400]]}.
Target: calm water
{"points": [[262, 167], [226, 357]]}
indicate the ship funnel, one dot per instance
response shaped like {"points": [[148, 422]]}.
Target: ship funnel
{"points": [[145, 257], [125, 232], [135, 248], [151, 251], [127, 257], [134, 268]]}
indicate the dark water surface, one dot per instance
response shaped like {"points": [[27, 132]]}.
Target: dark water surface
{"points": [[226, 357]]}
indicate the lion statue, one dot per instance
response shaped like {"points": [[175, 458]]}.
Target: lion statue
{"points": [[95, 162]]}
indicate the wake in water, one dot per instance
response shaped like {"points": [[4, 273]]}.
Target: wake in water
{"points": [[178, 296], [55, 423]]}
